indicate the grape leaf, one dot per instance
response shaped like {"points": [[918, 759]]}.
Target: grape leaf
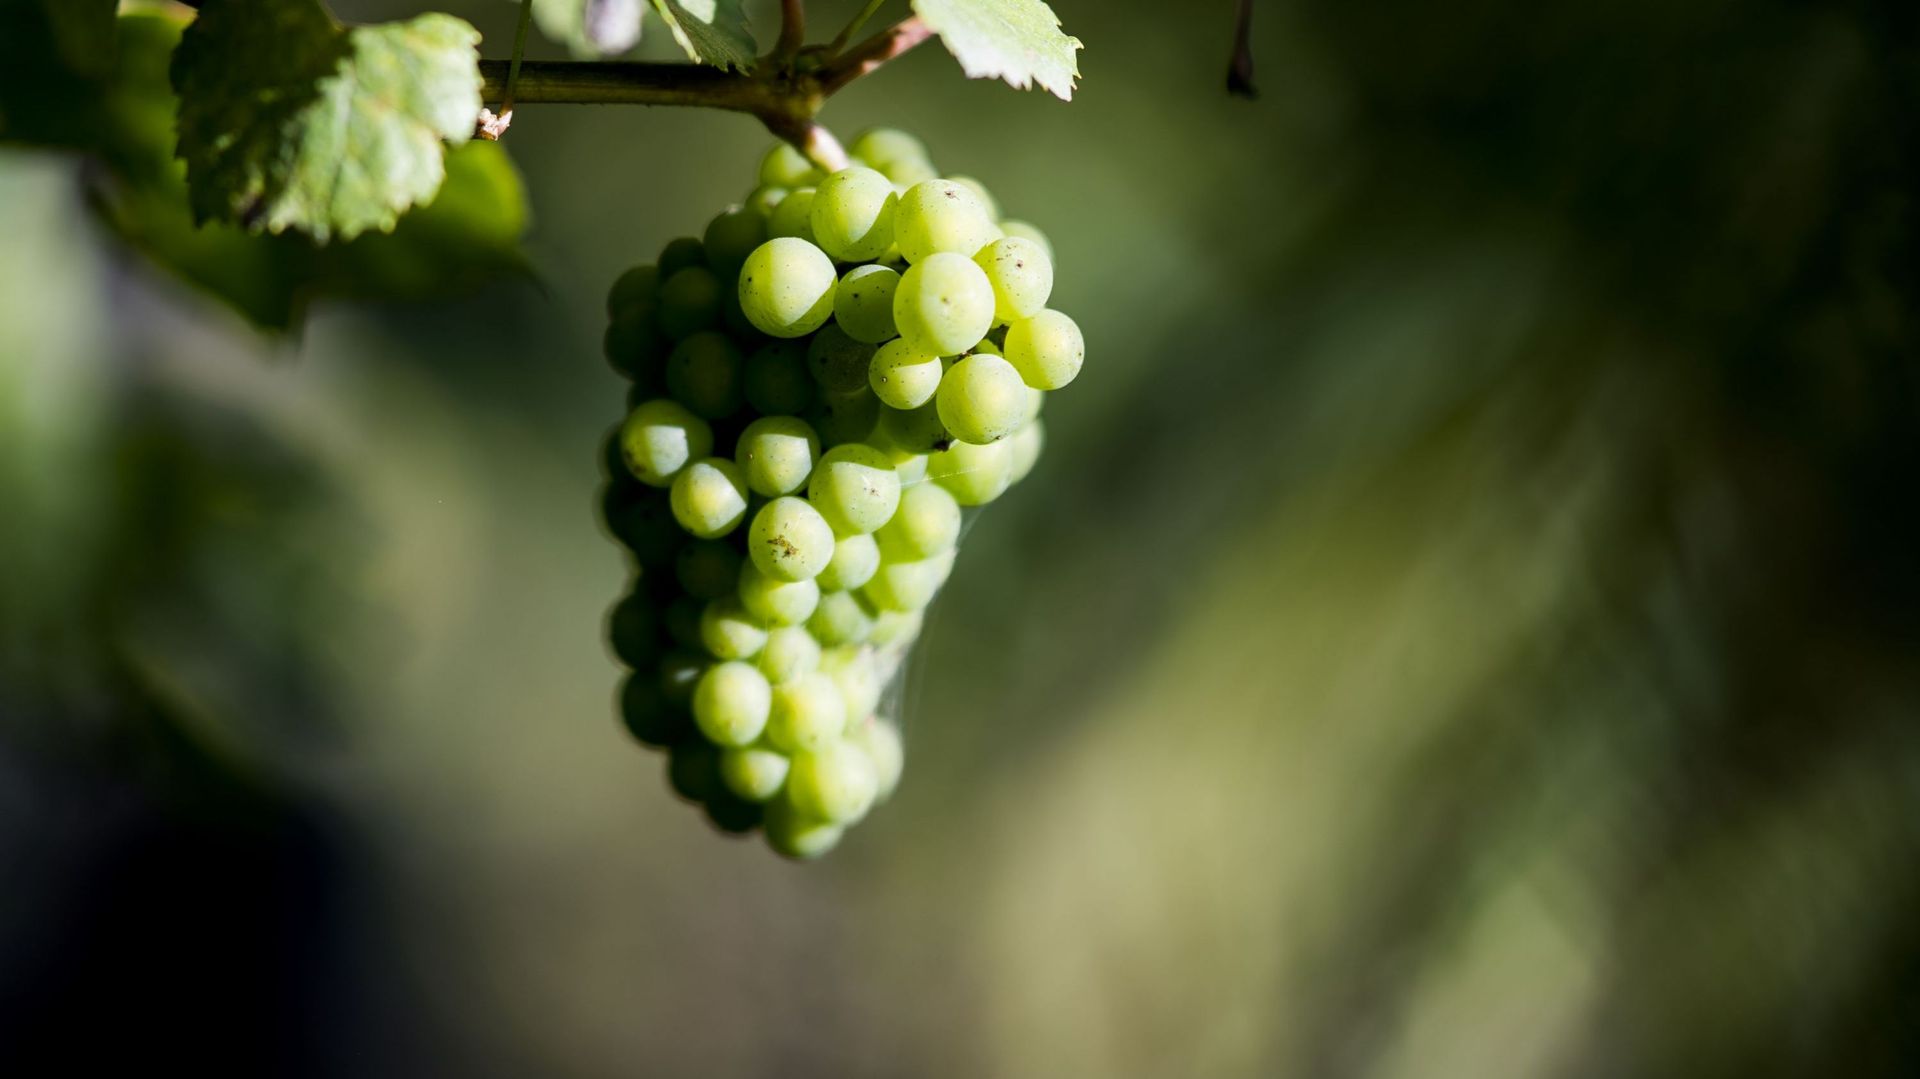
{"points": [[1016, 40], [590, 29], [83, 30], [710, 31], [289, 121]]}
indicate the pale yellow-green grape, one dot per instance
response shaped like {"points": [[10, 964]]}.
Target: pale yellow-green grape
{"points": [[776, 455], [879, 146], [777, 603], [926, 524], [660, 438], [895, 627], [940, 215], [707, 569], [840, 619], [987, 346], [982, 399], [790, 652], [863, 303], [980, 192], [801, 838], [880, 740], [709, 497], [944, 304], [729, 632], [789, 540], [731, 237], [808, 712], [912, 433], [731, 703], [703, 373], [785, 166], [763, 199], [845, 417], [975, 475], [854, 488], [911, 468], [786, 287], [1047, 349], [689, 301], [837, 361], [854, 671], [680, 670], [794, 216], [908, 586], [756, 772], [902, 376], [852, 214], [1021, 275], [1026, 231], [776, 379], [1030, 412], [854, 559], [833, 783], [1027, 443]]}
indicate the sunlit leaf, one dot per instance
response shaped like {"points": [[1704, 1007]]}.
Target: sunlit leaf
{"points": [[1016, 40]]}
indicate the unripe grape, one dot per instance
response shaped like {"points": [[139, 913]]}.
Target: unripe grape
{"points": [[682, 622], [854, 559], [776, 379], [908, 586], [801, 838], [880, 740], [838, 362], [980, 192], [913, 432], [703, 373], [879, 146], [1027, 443], [852, 214], [755, 773], [790, 652], [660, 438], [794, 216], [903, 376], [892, 628], [727, 631], [633, 630], [1046, 349], [863, 303], [636, 286], [647, 713], [786, 287], [731, 237], [680, 254], [710, 497], [926, 524], [982, 399], [763, 199], [693, 769], [1021, 275], [776, 454], [778, 603], [689, 302], [944, 304], [731, 703], [841, 619], [789, 540], [785, 166], [834, 783], [679, 671], [1026, 231], [940, 215], [843, 418], [731, 813], [854, 488], [707, 569], [975, 475], [857, 675], [808, 713]]}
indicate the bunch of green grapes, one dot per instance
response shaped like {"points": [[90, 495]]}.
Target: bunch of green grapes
{"points": [[822, 382]]}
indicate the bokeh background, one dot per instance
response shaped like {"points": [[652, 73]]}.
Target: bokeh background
{"points": [[1466, 622]]}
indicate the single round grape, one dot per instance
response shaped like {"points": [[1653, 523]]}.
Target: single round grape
{"points": [[731, 703], [808, 713], [777, 603], [911, 433], [731, 237], [908, 586], [776, 455], [785, 166], [844, 417], [854, 488], [895, 628], [840, 619], [680, 254], [863, 303], [682, 622], [852, 214], [693, 769], [1026, 443], [940, 215], [975, 475], [660, 438], [689, 302], [635, 348], [707, 569], [790, 652], [729, 632], [679, 671], [789, 540], [979, 192], [794, 216], [1021, 276], [857, 674], [879, 146], [833, 783], [903, 376], [636, 286], [880, 740], [763, 199], [800, 838], [944, 304], [838, 362], [633, 630], [703, 373], [776, 379], [1026, 231], [648, 715], [982, 399], [755, 773], [710, 497], [927, 523], [910, 467], [786, 287], [1046, 349], [854, 560]]}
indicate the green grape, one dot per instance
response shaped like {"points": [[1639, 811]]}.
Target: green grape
{"points": [[709, 497], [833, 783], [1026, 443], [852, 214], [982, 399], [635, 347], [731, 703], [729, 632], [707, 569], [693, 769], [927, 523], [845, 417], [975, 475], [679, 671], [648, 715], [857, 674], [633, 630], [911, 467], [1026, 231], [880, 740], [777, 603], [908, 586], [903, 376], [660, 438], [838, 362], [786, 286], [913, 432], [1030, 411], [808, 713], [895, 627], [642, 521], [987, 346], [863, 303], [854, 488], [755, 773], [1021, 275], [940, 215], [733, 319], [879, 146], [776, 455], [680, 254], [794, 216], [682, 620], [689, 302], [703, 373], [854, 560], [1046, 349], [763, 199], [785, 166], [790, 652], [731, 237], [944, 304], [789, 540], [776, 378], [635, 287], [979, 192], [731, 813], [840, 619], [800, 838]]}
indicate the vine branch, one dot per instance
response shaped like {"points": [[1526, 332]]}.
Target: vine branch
{"points": [[793, 30]]}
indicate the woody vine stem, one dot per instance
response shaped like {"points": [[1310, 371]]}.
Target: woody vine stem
{"points": [[784, 91]]}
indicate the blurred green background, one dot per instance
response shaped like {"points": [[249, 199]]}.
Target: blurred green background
{"points": [[1464, 624]]}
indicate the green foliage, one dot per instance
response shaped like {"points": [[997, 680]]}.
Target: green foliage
{"points": [[289, 121], [710, 31], [1016, 40]]}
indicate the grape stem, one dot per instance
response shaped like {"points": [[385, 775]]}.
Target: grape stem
{"points": [[785, 95]]}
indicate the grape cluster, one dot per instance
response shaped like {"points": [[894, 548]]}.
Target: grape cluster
{"points": [[821, 383]]}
